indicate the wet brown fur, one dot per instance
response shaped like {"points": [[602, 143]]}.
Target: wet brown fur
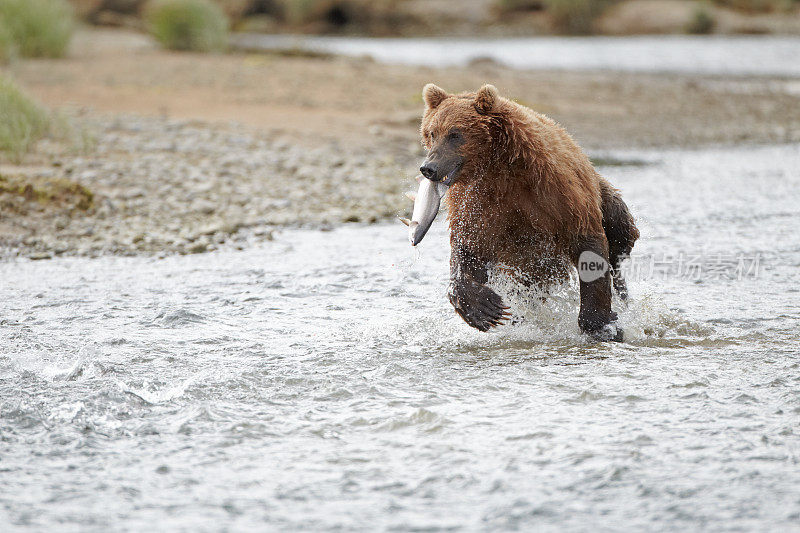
{"points": [[527, 194]]}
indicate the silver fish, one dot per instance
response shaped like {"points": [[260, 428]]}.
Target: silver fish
{"points": [[426, 207]]}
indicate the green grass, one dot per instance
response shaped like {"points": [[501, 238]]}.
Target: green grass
{"points": [[196, 25], [36, 28], [702, 21], [301, 11], [22, 121], [46, 191], [8, 46]]}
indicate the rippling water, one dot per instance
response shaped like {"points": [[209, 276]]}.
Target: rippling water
{"points": [[730, 55], [322, 381]]}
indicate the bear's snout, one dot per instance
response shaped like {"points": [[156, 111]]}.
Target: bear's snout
{"points": [[429, 170]]}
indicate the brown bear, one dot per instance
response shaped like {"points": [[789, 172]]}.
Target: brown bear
{"points": [[524, 198]]}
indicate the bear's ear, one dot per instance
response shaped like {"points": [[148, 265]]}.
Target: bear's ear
{"points": [[433, 96], [485, 99]]}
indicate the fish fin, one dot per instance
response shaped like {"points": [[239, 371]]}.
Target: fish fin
{"points": [[411, 195], [405, 221]]}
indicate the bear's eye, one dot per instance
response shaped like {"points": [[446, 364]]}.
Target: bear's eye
{"points": [[453, 136]]}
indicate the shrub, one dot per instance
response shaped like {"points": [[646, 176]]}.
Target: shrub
{"points": [[8, 47], [38, 28], [575, 16], [701, 22], [301, 11], [198, 25], [22, 121]]}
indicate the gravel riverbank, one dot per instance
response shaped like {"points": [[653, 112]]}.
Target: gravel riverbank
{"points": [[179, 186]]}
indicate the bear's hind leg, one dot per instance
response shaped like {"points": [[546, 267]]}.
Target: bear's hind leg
{"points": [[594, 276], [621, 233]]}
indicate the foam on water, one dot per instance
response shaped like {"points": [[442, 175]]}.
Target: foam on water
{"points": [[323, 382]]}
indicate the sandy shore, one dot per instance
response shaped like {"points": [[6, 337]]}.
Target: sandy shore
{"points": [[192, 152]]}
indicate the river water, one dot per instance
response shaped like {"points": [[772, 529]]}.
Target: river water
{"points": [[727, 55], [322, 381]]}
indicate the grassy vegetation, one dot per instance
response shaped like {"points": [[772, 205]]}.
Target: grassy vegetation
{"points": [[301, 11], [196, 25], [41, 190], [702, 21], [8, 47], [22, 121], [35, 28]]}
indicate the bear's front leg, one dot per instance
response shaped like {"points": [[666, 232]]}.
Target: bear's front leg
{"points": [[477, 304], [596, 317]]}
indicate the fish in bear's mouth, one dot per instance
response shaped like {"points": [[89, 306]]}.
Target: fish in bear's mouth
{"points": [[426, 206]]}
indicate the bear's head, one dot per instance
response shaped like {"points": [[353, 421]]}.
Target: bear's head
{"points": [[460, 132]]}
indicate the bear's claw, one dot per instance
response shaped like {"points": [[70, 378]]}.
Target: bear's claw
{"points": [[477, 304], [608, 333]]}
